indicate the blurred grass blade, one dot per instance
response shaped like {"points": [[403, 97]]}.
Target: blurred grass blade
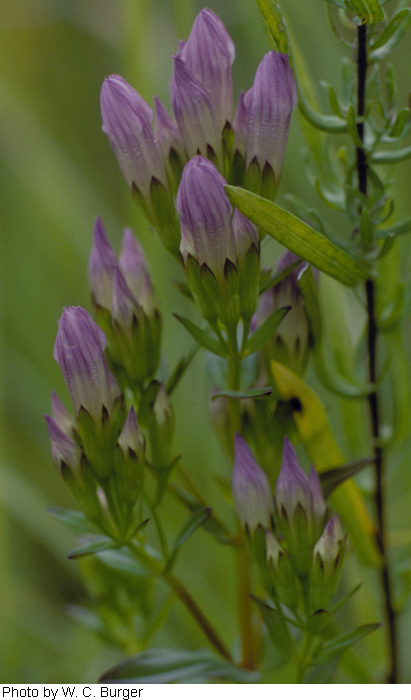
{"points": [[297, 236]]}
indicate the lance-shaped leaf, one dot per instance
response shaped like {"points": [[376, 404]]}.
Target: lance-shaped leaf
{"points": [[246, 394], [388, 157], [368, 11], [297, 236], [274, 20], [316, 434], [277, 628], [332, 478], [194, 521], [180, 369], [335, 647], [172, 666], [265, 332], [202, 338], [92, 544], [74, 519]]}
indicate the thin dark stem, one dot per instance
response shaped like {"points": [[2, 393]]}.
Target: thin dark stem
{"points": [[373, 398]]}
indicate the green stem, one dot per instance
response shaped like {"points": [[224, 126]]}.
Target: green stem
{"points": [[304, 661], [248, 656], [185, 597]]}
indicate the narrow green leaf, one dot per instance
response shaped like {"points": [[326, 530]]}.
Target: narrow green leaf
{"points": [[193, 522], [74, 519], [388, 157], [308, 288], [277, 628], [95, 544], [368, 11], [331, 478], [272, 279], [377, 54], [329, 650], [274, 20], [201, 337], [122, 560], [180, 369], [399, 228], [389, 30], [247, 394], [265, 332], [323, 122], [340, 603], [171, 666], [297, 236], [400, 122]]}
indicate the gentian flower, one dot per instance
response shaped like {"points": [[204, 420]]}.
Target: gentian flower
{"points": [[127, 121], [251, 489], [208, 54], [269, 104], [79, 350]]}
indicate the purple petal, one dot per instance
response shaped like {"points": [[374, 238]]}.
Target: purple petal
{"points": [[101, 266], [194, 111], [208, 54], [269, 106], [292, 486], [251, 488], [79, 350], [127, 121], [206, 214]]}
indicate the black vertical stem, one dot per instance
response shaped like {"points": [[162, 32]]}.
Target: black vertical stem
{"points": [[373, 398]]}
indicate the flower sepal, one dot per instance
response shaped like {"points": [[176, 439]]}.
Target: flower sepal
{"points": [[281, 572], [327, 562], [98, 440]]}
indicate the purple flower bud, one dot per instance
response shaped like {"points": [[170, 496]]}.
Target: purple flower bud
{"points": [[195, 113], [79, 350], [61, 416], [291, 340], [123, 305], [240, 125], [251, 489], [63, 448], [245, 234], [319, 506], [101, 266], [208, 54], [292, 487], [131, 437], [167, 133], [269, 105], [127, 121], [205, 211], [134, 267]]}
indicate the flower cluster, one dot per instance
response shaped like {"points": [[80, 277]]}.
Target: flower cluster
{"points": [[100, 452], [125, 307], [304, 547], [248, 149]]}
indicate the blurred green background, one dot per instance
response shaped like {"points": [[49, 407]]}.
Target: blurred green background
{"points": [[57, 173]]}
